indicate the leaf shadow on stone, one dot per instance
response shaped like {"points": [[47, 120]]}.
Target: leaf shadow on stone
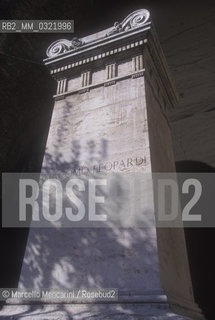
{"points": [[85, 258]]}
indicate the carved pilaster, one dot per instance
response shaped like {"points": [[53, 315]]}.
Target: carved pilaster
{"points": [[110, 71], [85, 79], [137, 63], [61, 86]]}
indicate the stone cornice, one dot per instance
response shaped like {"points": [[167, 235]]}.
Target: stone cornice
{"points": [[93, 56]]}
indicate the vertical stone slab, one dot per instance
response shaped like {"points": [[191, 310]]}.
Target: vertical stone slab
{"points": [[113, 90], [173, 260]]}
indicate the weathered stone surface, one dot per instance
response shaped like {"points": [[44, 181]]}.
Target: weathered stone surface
{"points": [[90, 312]]}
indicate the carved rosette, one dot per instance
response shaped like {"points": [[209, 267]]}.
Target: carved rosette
{"points": [[63, 45], [136, 19]]}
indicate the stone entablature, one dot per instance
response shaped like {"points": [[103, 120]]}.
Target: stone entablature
{"points": [[78, 65]]}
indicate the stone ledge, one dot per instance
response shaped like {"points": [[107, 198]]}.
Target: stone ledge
{"points": [[152, 311]]}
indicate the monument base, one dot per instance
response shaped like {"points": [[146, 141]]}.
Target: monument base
{"points": [[128, 311]]}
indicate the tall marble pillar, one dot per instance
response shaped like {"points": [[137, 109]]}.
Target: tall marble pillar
{"points": [[113, 93]]}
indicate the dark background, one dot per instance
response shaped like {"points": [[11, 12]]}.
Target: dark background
{"points": [[186, 31]]}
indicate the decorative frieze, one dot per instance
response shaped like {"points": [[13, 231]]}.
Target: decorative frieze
{"points": [[98, 57], [105, 83]]}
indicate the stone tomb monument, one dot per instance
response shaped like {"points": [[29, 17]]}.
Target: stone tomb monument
{"points": [[113, 92]]}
